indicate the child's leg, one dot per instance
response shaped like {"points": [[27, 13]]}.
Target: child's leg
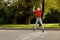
{"points": [[36, 23], [40, 20]]}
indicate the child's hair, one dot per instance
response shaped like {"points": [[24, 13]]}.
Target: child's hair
{"points": [[38, 6]]}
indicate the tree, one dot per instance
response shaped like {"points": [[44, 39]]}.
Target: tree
{"points": [[23, 7], [27, 6]]}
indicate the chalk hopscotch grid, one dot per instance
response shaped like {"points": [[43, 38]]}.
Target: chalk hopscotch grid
{"points": [[31, 36]]}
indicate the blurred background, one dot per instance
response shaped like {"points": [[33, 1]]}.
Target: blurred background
{"points": [[20, 11]]}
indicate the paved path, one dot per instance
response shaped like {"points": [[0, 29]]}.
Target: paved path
{"points": [[29, 35]]}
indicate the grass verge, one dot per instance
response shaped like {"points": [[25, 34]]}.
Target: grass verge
{"points": [[48, 25]]}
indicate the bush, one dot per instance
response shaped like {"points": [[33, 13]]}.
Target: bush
{"points": [[52, 16]]}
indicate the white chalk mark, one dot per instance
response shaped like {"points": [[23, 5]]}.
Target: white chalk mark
{"points": [[31, 36]]}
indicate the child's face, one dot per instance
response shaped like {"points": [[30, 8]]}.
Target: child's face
{"points": [[38, 8]]}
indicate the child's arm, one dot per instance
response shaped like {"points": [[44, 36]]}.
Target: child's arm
{"points": [[41, 6], [34, 9]]}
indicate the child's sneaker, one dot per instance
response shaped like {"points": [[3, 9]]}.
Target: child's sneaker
{"points": [[34, 30], [42, 30]]}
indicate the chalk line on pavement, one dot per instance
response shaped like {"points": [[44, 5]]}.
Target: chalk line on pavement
{"points": [[31, 36]]}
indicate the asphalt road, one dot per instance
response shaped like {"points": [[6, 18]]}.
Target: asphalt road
{"points": [[29, 35]]}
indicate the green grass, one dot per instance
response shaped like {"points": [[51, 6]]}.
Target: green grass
{"points": [[48, 25]]}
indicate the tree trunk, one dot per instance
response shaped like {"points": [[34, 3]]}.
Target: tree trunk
{"points": [[27, 19], [59, 24], [14, 20], [42, 10]]}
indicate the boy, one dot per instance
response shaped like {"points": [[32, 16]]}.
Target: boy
{"points": [[38, 13]]}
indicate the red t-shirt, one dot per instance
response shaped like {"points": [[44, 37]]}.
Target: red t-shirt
{"points": [[38, 13]]}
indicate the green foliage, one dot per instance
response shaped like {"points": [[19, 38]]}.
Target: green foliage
{"points": [[50, 4], [51, 11], [52, 16], [18, 10]]}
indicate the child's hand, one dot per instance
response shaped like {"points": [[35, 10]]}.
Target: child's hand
{"points": [[34, 7], [41, 6]]}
